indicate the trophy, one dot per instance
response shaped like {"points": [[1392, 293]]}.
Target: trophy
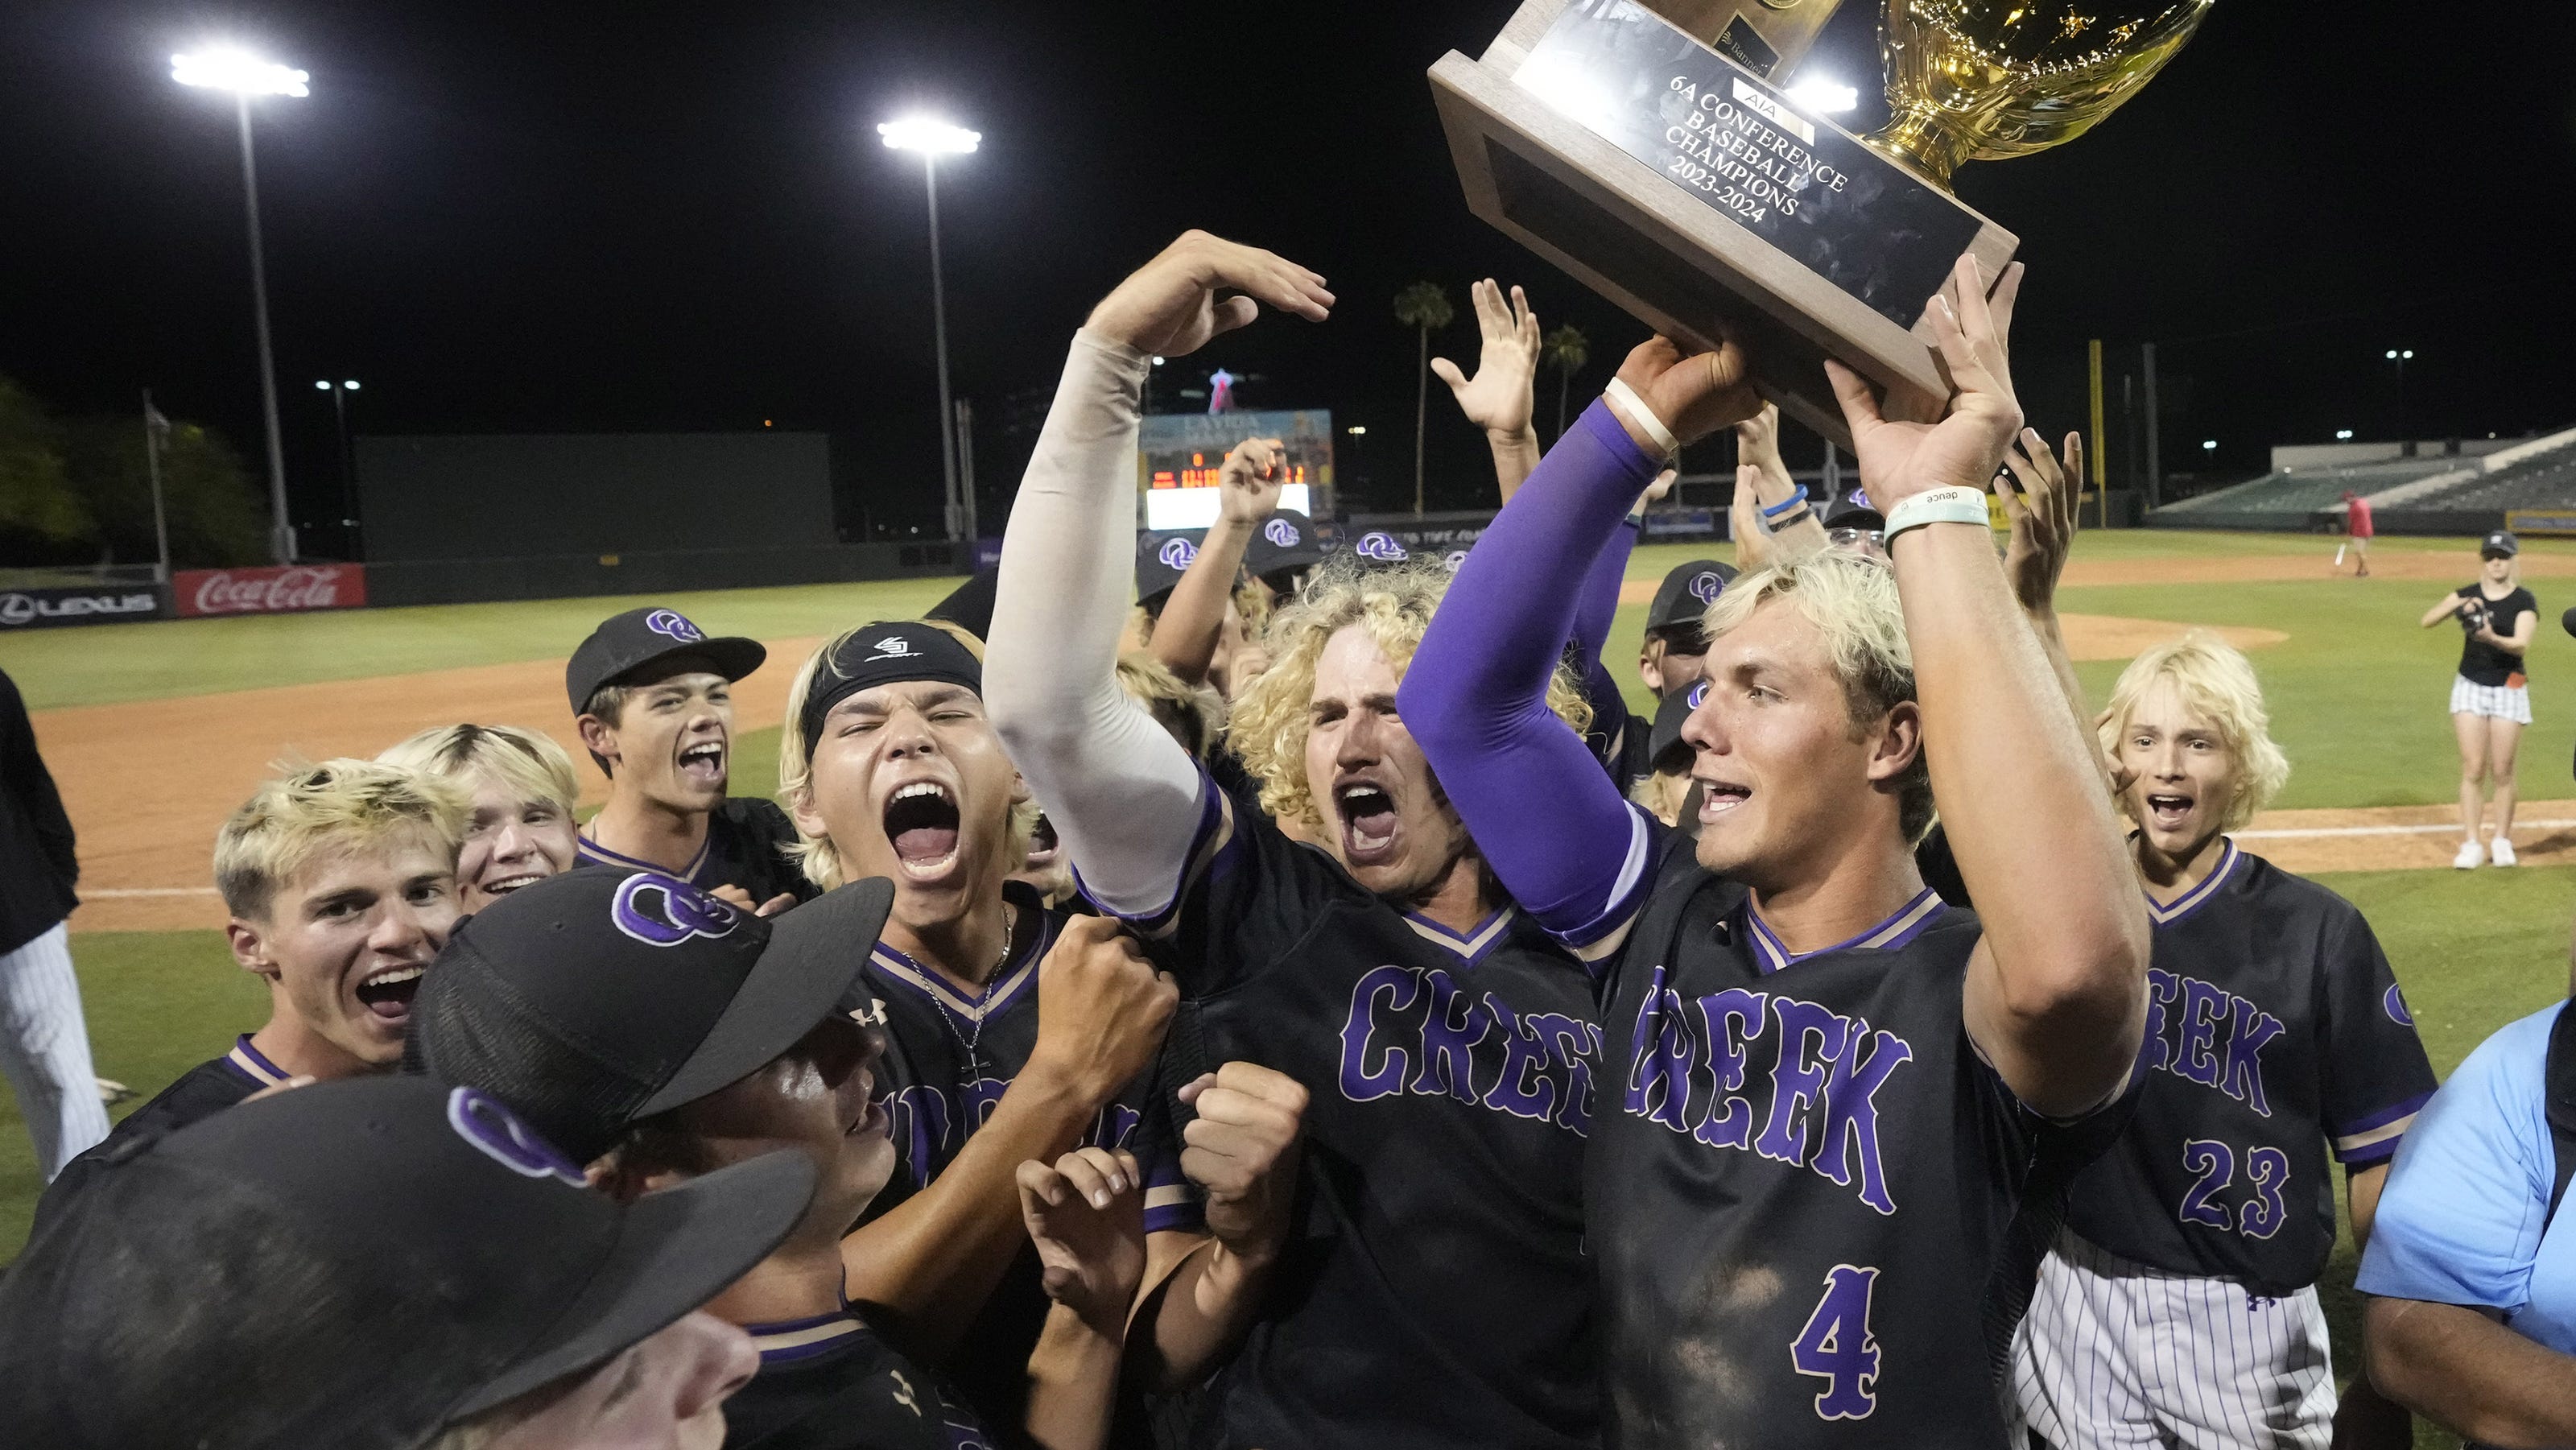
{"points": [[1648, 150]]}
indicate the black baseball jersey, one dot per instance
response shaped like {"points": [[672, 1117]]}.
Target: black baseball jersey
{"points": [[828, 1383], [1812, 1198], [200, 1092], [746, 846], [1435, 1291], [949, 1059], [2482, 663], [2273, 1027]]}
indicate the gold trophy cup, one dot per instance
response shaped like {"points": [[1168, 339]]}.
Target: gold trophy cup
{"points": [[1646, 149]]}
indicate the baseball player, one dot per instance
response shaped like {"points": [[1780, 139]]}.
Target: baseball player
{"points": [[652, 695], [1436, 1291], [1199, 628], [341, 882], [2179, 1306], [522, 791], [382, 1264], [1828, 1098], [1016, 1032], [44, 1044]]}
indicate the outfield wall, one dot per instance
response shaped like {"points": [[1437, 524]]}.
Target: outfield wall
{"points": [[566, 576]]}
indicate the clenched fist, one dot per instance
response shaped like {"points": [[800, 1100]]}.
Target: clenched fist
{"points": [[1242, 1149], [1101, 1009]]}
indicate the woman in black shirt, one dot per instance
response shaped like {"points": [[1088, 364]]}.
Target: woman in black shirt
{"points": [[2490, 702]]}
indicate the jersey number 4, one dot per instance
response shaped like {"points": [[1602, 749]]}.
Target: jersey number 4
{"points": [[2267, 1172], [1838, 1347]]}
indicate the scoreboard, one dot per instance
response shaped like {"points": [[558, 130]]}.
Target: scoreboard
{"points": [[1178, 456]]}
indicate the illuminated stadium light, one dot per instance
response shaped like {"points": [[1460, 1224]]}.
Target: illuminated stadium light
{"points": [[931, 137], [2343, 435], [242, 74], [1357, 429], [1828, 97], [2209, 445]]}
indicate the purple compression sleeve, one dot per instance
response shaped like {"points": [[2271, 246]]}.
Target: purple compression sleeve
{"points": [[1598, 602], [1554, 828]]}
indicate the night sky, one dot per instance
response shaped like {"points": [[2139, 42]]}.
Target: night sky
{"points": [[564, 217]]}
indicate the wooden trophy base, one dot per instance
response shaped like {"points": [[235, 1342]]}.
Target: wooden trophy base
{"points": [[1682, 187]]}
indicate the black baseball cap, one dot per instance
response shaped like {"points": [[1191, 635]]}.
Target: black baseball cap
{"points": [[883, 653], [597, 998], [970, 605], [1161, 560], [1687, 592], [1285, 544], [2499, 545], [1667, 736], [626, 643], [357, 1264], [1855, 511]]}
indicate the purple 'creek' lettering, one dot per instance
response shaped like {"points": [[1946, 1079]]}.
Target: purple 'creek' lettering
{"points": [[1421, 1031], [2206, 1034], [1697, 1068]]}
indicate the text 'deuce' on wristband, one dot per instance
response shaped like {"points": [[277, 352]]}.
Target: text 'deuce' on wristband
{"points": [[1625, 399], [1937, 506]]}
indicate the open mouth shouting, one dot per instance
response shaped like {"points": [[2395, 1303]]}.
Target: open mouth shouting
{"points": [[387, 991], [1371, 829], [1718, 797], [703, 765], [2168, 810], [921, 825]]}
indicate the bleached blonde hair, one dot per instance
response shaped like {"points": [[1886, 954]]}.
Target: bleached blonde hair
{"points": [[1851, 600], [337, 805], [820, 859], [526, 762], [1394, 606], [1192, 716], [2216, 683]]}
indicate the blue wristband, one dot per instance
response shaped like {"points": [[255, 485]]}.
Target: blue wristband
{"points": [[1773, 511]]}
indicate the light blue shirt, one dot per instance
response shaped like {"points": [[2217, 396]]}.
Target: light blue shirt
{"points": [[2460, 1221]]}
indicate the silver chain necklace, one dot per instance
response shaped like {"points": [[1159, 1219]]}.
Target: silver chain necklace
{"points": [[973, 1043]]}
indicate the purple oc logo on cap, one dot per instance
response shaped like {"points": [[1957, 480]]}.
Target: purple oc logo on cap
{"points": [[498, 1134], [1177, 553], [670, 622], [1697, 693], [1705, 586], [1280, 532], [663, 912], [1381, 547]]}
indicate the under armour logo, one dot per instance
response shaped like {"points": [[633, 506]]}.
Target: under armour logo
{"points": [[1280, 532], [1381, 547], [1177, 553], [903, 1392], [892, 647], [1705, 586], [660, 911], [672, 623], [1697, 693], [500, 1135]]}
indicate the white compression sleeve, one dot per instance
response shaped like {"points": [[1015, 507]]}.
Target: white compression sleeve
{"points": [[1120, 791]]}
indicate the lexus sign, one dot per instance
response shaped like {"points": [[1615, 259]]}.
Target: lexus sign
{"points": [[94, 604]]}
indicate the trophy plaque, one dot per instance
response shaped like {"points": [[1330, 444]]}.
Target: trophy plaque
{"points": [[1650, 152]]}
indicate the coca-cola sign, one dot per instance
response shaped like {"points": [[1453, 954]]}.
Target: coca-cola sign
{"points": [[279, 589]]}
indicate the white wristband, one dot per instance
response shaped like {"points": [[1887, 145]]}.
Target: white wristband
{"points": [[1938, 506], [1625, 399]]}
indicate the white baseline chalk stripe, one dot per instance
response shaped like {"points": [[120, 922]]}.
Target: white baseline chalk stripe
{"points": [[2314, 832]]}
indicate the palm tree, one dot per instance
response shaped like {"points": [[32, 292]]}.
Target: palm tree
{"points": [[1424, 307], [1565, 350]]}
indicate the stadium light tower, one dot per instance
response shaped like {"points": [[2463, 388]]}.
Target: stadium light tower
{"points": [[933, 139], [2400, 357], [227, 69]]}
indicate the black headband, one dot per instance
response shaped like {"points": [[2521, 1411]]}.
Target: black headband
{"points": [[884, 654]]}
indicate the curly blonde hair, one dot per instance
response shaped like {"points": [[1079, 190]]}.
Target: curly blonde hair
{"points": [[2216, 682], [1271, 716]]}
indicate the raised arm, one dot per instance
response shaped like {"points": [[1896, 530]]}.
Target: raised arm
{"points": [[1121, 792], [1248, 483], [1794, 531], [2450, 604], [2056, 990], [1554, 828], [1499, 398]]}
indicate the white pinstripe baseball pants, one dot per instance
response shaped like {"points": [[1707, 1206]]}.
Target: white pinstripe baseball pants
{"points": [[2118, 1354], [44, 1050]]}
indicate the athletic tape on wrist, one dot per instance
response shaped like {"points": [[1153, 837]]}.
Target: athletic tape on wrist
{"points": [[1625, 399], [1937, 506]]}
